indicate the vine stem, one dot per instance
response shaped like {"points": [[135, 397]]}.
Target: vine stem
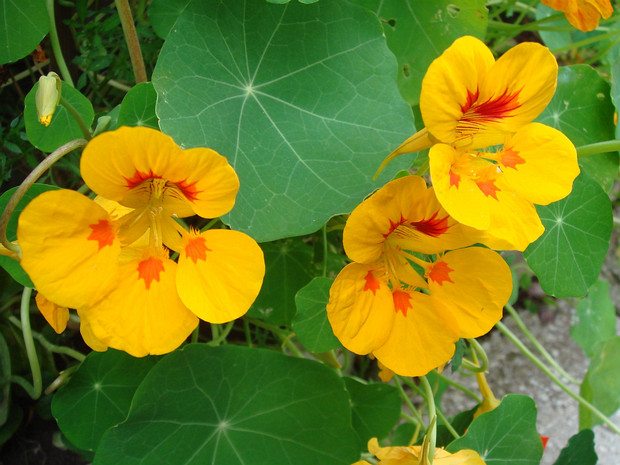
{"points": [[60, 59], [77, 117], [48, 345], [131, 37], [458, 386], [35, 368], [27, 183], [538, 345], [432, 414], [536, 361], [598, 147]]}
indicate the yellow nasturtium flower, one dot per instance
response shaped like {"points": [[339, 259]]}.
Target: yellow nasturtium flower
{"points": [[413, 455], [113, 263], [403, 299], [583, 14]]}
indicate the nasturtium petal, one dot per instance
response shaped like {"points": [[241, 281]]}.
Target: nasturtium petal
{"points": [[55, 315], [87, 334], [116, 163], [69, 248], [143, 315], [420, 339], [539, 163], [302, 100], [220, 273], [582, 14], [472, 287], [360, 308]]}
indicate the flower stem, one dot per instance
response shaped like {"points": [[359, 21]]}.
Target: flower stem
{"points": [[447, 424], [27, 183], [405, 398], [220, 337], [538, 345], [60, 59], [131, 37], [432, 415], [37, 383], [48, 345], [599, 147], [477, 350], [77, 117], [585, 42], [459, 387], [536, 361]]}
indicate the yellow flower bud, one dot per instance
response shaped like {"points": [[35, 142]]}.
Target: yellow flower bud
{"points": [[47, 97]]}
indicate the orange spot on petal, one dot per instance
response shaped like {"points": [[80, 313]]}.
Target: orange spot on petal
{"points": [[510, 158], [488, 188], [103, 233], [440, 272], [149, 270], [372, 283], [454, 179], [196, 248], [401, 301]]}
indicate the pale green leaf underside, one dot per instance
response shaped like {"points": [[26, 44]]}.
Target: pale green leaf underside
{"points": [[301, 99]]}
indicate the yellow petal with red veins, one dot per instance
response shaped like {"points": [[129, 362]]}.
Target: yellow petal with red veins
{"points": [[220, 274], [407, 213], [69, 248], [55, 315], [87, 333], [360, 308], [421, 337], [472, 285], [143, 314], [539, 163], [131, 164], [449, 84]]}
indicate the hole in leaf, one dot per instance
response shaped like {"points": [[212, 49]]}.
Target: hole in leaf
{"points": [[453, 10], [390, 22], [406, 71]]}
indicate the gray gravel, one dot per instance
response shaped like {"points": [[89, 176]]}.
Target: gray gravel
{"points": [[511, 372]]}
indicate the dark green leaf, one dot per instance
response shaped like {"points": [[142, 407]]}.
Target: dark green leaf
{"points": [[460, 423], [582, 109], [418, 31], [376, 408], [24, 24], [310, 323], [233, 405], [579, 451], [601, 385], [164, 13], [64, 127], [138, 107], [595, 321], [301, 99], [98, 395], [569, 255], [506, 434], [288, 268]]}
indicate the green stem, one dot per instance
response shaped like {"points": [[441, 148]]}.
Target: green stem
{"points": [[459, 387], [77, 117], [131, 37], [215, 332], [25, 185], [195, 334], [324, 250], [536, 361], [598, 147], [585, 42], [248, 334], [447, 424], [421, 171], [405, 398], [60, 59], [616, 221], [432, 414], [478, 350], [37, 382], [538, 345], [48, 345], [221, 337]]}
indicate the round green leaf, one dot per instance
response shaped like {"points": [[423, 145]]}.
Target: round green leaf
{"points": [[595, 321], [506, 434], [164, 13], [579, 451], [418, 31], [569, 255], [98, 395], [25, 23], [310, 324], [601, 385], [301, 99], [582, 109], [138, 107], [234, 405], [12, 266], [376, 408], [63, 127]]}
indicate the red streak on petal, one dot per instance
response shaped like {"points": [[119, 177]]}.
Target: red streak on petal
{"points": [[488, 188], [401, 301], [454, 179], [492, 110], [196, 249], [393, 225], [188, 189], [510, 158], [103, 233], [372, 283], [440, 272], [433, 226], [138, 177], [149, 270]]}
